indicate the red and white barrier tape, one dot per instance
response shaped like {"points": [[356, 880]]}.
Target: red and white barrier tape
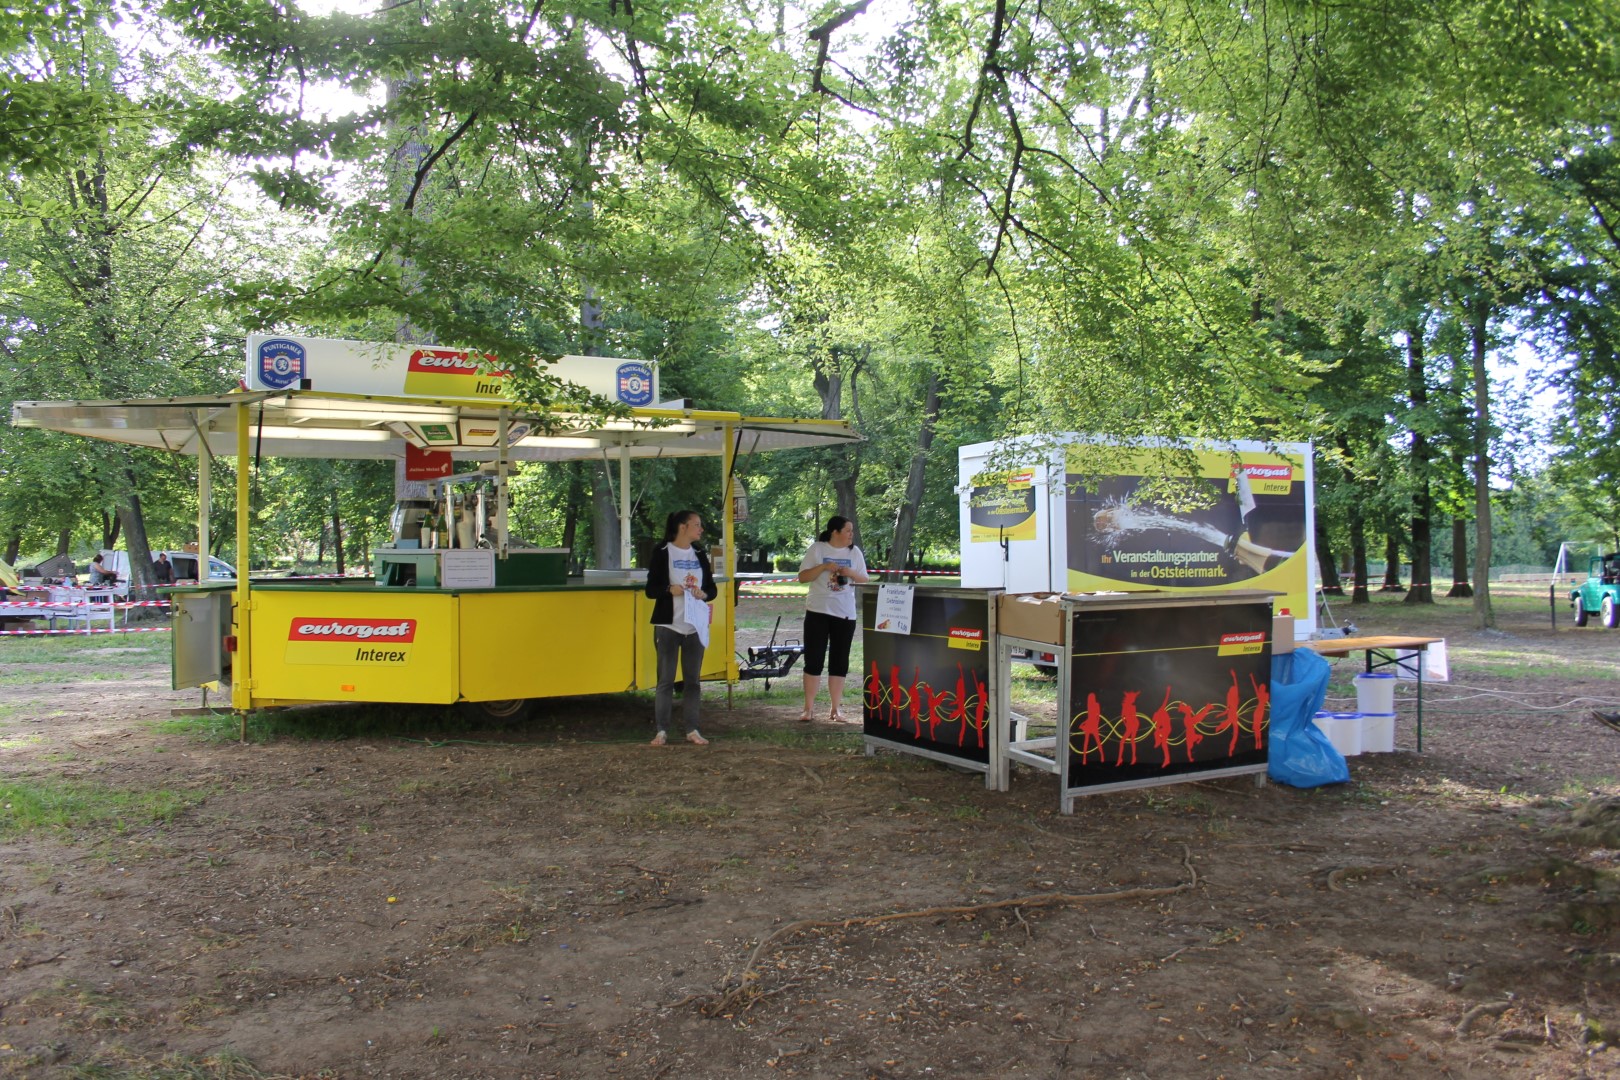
{"points": [[87, 630], [747, 582], [86, 604]]}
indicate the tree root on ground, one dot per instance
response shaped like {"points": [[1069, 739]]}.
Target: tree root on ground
{"points": [[744, 985]]}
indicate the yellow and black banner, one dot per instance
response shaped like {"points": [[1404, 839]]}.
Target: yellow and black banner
{"points": [[1002, 507], [1248, 530]]}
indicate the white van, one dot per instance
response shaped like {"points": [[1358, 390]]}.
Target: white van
{"points": [[184, 562]]}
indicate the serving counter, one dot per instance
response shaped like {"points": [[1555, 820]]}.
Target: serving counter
{"points": [[314, 642], [1153, 687]]}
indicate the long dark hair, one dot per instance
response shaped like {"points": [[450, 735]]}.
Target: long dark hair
{"points": [[675, 521], [834, 523]]}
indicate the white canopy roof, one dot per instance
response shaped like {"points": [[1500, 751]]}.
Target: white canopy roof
{"points": [[310, 423]]}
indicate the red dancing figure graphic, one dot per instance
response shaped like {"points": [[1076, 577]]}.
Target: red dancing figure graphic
{"points": [[1189, 726], [897, 704], [935, 702], [1231, 716], [916, 702], [874, 692], [1133, 724], [1161, 728], [959, 714], [1091, 729], [979, 707], [1262, 697]]}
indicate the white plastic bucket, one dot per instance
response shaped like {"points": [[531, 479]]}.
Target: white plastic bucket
{"points": [[1375, 693], [1377, 733], [1343, 730]]}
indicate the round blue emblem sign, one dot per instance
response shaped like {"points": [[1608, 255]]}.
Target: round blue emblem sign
{"points": [[281, 363], [635, 384]]}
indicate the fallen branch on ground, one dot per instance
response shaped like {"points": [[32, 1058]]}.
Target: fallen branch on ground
{"points": [[743, 983], [1494, 1008]]}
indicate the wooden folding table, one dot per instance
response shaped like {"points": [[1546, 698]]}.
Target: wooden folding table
{"points": [[1382, 650]]}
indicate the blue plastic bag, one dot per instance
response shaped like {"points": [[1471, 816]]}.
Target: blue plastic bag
{"points": [[1301, 756]]}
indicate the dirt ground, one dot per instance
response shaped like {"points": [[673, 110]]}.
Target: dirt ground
{"points": [[562, 900]]}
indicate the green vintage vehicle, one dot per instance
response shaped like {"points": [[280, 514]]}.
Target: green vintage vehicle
{"points": [[1599, 594]]}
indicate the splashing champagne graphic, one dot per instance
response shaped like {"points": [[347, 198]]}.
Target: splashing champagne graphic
{"points": [[1117, 519]]}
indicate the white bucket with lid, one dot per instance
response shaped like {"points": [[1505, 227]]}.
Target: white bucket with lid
{"points": [[1343, 730], [1375, 692], [1377, 733]]}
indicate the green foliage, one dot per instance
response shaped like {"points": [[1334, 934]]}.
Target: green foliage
{"points": [[1190, 219]]}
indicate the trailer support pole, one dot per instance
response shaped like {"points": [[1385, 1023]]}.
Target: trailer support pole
{"points": [[729, 555], [241, 663], [205, 497]]}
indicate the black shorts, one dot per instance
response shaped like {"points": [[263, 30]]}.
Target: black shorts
{"points": [[827, 638]]}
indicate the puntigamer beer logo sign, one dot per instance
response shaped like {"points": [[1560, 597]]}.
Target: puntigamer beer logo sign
{"points": [[635, 384], [282, 363], [350, 641]]}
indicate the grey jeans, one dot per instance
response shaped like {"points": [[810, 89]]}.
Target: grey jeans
{"points": [[686, 651]]}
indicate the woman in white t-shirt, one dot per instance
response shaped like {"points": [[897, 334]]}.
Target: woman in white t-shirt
{"points": [[830, 567]]}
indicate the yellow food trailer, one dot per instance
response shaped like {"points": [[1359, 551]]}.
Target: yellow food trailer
{"points": [[485, 622]]}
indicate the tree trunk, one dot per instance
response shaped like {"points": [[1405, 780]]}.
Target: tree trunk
{"points": [[605, 518], [64, 540], [337, 539], [1359, 593], [1417, 381], [830, 375], [905, 521], [1392, 564], [1484, 618], [1459, 559], [1327, 569], [142, 582], [571, 509], [12, 547]]}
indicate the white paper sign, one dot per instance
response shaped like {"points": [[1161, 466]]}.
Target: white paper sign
{"points": [[1435, 666], [894, 609], [467, 568], [696, 614]]}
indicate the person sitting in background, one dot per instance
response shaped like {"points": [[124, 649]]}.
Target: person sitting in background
{"points": [[163, 569], [102, 574]]}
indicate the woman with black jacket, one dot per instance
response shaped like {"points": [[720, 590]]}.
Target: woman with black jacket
{"points": [[679, 570]]}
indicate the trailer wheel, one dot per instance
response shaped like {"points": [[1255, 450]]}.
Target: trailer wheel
{"points": [[508, 711], [1610, 614], [1581, 616]]}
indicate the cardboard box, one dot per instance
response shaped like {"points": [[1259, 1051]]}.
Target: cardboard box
{"points": [[1034, 616], [1282, 634]]}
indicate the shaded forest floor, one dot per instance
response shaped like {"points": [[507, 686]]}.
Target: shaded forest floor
{"points": [[388, 892]]}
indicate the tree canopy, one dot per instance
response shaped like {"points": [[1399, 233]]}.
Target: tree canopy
{"points": [[961, 221]]}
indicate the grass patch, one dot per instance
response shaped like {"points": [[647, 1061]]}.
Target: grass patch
{"points": [[846, 741], [121, 1065], [81, 650], [325, 723], [69, 806], [685, 814], [34, 678]]}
